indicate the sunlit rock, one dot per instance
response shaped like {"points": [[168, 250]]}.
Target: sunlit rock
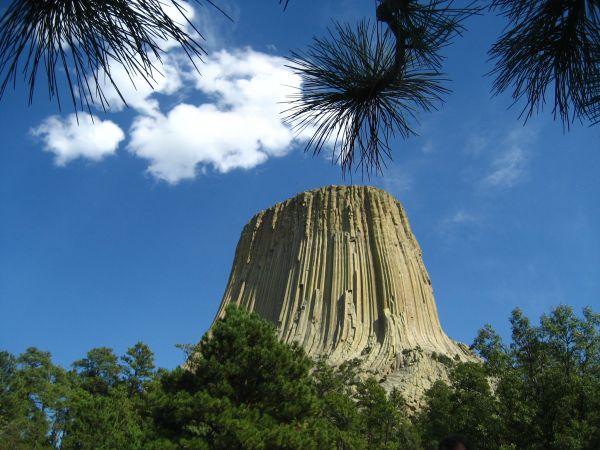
{"points": [[339, 271]]}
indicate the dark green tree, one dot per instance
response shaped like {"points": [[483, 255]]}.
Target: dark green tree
{"points": [[8, 402], [138, 369], [338, 410], [384, 419], [99, 371], [547, 381], [104, 421], [466, 406], [32, 394], [92, 406], [242, 388]]}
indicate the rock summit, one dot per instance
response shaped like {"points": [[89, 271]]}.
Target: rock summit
{"points": [[339, 271]]}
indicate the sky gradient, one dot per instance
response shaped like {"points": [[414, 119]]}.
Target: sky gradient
{"points": [[124, 228]]}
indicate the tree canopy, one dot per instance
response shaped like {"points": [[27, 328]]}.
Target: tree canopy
{"points": [[243, 388], [542, 391]]}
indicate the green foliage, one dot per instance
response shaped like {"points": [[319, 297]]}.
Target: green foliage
{"points": [[244, 360], [8, 403], [32, 391], [99, 372], [546, 387], [384, 422], [338, 411], [101, 421], [42, 406], [138, 369], [244, 389], [440, 357], [466, 407]]}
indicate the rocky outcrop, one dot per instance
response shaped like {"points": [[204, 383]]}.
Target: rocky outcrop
{"points": [[339, 271]]}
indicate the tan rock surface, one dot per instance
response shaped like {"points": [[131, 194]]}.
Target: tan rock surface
{"points": [[339, 271]]}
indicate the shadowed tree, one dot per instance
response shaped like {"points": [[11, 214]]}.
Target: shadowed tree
{"points": [[466, 406], [242, 388]]}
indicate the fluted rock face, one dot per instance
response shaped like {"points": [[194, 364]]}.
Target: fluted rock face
{"points": [[339, 271]]}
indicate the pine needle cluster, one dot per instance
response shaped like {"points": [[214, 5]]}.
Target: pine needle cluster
{"points": [[551, 45], [364, 85], [84, 39]]}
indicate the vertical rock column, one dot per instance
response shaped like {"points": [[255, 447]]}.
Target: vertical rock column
{"points": [[339, 271]]}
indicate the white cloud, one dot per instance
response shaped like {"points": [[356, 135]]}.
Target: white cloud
{"points": [[460, 223], [461, 217], [240, 128], [182, 15], [476, 143], [247, 79], [137, 91], [231, 119], [92, 138], [165, 76], [509, 166]]}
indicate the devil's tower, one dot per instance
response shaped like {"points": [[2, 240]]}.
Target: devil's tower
{"points": [[339, 271]]}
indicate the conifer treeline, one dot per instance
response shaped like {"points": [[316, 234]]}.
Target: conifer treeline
{"points": [[242, 388]]}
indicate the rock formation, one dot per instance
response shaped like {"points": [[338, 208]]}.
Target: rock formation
{"points": [[339, 271]]}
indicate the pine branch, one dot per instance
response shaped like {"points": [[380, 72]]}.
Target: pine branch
{"points": [[350, 102], [86, 38], [550, 47], [363, 86]]}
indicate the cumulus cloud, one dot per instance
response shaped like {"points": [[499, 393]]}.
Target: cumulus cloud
{"points": [[182, 14], [238, 127], [231, 117], [137, 91], [91, 138]]}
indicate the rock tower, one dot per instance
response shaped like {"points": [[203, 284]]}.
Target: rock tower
{"points": [[339, 271]]}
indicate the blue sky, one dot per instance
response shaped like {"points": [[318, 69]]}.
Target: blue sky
{"points": [[124, 229]]}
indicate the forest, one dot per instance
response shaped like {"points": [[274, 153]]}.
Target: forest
{"points": [[240, 387]]}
